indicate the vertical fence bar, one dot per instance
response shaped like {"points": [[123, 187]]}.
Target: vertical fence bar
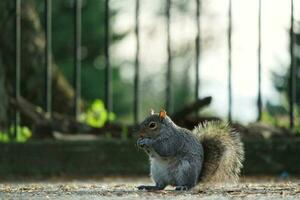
{"points": [[137, 63], [292, 80], [259, 100], [229, 62], [107, 84], [169, 64], [197, 48], [17, 62], [77, 57], [48, 59]]}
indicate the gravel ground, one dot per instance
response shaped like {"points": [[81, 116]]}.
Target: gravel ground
{"points": [[125, 188]]}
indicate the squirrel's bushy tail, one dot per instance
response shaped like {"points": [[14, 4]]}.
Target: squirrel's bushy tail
{"points": [[223, 152]]}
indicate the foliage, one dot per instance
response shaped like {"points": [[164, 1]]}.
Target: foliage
{"points": [[96, 115], [23, 134], [278, 114]]}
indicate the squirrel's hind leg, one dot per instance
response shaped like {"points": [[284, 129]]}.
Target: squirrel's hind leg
{"points": [[151, 187], [186, 175]]}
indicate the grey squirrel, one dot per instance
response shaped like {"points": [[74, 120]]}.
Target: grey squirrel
{"points": [[212, 152]]}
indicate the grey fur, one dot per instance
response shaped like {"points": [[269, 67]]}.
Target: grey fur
{"points": [[177, 155]]}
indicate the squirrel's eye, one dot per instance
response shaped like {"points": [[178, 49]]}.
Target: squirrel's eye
{"points": [[152, 125]]}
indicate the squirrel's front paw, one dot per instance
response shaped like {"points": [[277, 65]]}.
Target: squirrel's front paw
{"points": [[144, 142]]}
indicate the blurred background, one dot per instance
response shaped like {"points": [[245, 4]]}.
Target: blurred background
{"points": [[89, 70]]}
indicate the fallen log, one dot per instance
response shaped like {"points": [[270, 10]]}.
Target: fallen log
{"points": [[44, 126], [192, 108]]}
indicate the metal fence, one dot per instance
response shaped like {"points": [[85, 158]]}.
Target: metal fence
{"points": [[108, 72]]}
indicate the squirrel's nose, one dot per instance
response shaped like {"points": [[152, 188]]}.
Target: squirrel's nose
{"points": [[142, 132]]}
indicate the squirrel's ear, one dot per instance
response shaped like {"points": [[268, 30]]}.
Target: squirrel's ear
{"points": [[162, 114], [151, 111]]}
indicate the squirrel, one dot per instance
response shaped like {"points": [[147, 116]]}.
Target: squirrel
{"points": [[212, 152]]}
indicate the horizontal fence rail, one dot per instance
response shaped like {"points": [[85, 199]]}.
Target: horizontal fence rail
{"points": [[108, 70]]}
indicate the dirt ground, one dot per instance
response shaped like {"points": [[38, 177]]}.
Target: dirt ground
{"points": [[125, 188]]}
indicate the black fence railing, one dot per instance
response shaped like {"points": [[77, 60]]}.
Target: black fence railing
{"points": [[17, 60], [137, 63], [48, 58], [107, 84], [229, 61], [292, 79], [77, 57], [259, 100], [108, 71], [197, 49]]}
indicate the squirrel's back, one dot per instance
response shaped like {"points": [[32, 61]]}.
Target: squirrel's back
{"points": [[223, 152]]}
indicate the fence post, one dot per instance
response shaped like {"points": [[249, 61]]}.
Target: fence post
{"points": [[107, 87], [229, 62], [48, 58], [17, 62], [197, 48], [169, 64], [77, 58], [259, 98], [137, 63], [292, 80]]}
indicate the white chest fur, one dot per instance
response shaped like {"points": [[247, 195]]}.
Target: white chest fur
{"points": [[160, 170]]}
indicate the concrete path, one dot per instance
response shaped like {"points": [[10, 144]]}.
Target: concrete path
{"points": [[125, 188]]}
